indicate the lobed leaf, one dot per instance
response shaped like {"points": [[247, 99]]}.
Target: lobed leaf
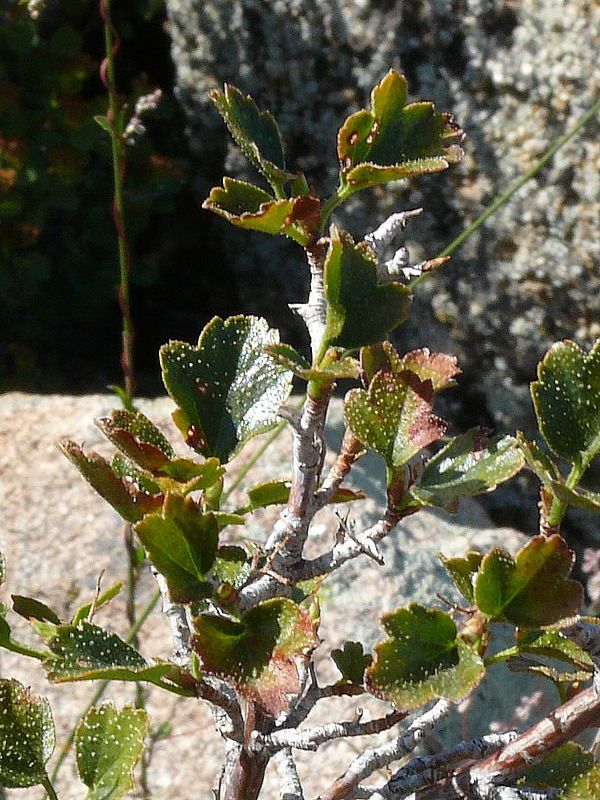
{"points": [[425, 658], [566, 398], [227, 389], [255, 132], [108, 745], [395, 140], [438, 368], [352, 662], [27, 736], [181, 541], [85, 652], [394, 416], [532, 589], [360, 309], [467, 466], [127, 498], [462, 571], [258, 652]]}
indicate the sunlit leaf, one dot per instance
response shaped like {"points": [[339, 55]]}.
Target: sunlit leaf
{"points": [[467, 466], [552, 644], [257, 653], [360, 309], [181, 542], [27, 736], [566, 398], [227, 389], [394, 416], [108, 745], [232, 565], [137, 437], [128, 499], [335, 367], [83, 612], [425, 658], [533, 588], [462, 571], [395, 140], [86, 652], [352, 662]]}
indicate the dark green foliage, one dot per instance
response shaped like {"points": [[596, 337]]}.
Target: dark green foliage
{"points": [[352, 662]]}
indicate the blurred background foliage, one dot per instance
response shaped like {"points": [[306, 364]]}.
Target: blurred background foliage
{"points": [[59, 318]]}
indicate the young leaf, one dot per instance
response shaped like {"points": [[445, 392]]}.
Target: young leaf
{"points": [[566, 398], [255, 132], [257, 653], [532, 589], [360, 309], [27, 736], [227, 389], [181, 542], [352, 662], [139, 479], [85, 652], [424, 659], [394, 417], [128, 500], [438, 368], [232, 565], [30, 608], [462, 572], [137, 437], [108, 745], [334, 367], [273, 493], [394, 140], [83, 611], [467, 466]]}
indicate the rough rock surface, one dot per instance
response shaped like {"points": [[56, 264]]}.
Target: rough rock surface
{"points": [[515, 74], [58, 536]]}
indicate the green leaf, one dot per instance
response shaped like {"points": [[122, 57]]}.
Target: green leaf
{"points": [[108, 745], [424, 659], [394, 140], [27, 736], [334, 367], [30, 608], [137, 437], [85, 652], [272, 493], [139, 479], [394, 417], [227, 389], [532, 589], [566, 398], [128, 500], [102, 121], [462, 571], [257, 653], [584, 787], [467, 466], [255, 132], [181, 542], [352, 662], [561, 768], [552, 644], [232, 565], [193, 475], [83, 612], [360, 309]]}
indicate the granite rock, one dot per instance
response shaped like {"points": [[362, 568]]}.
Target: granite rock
{"points": [[58, 537]]}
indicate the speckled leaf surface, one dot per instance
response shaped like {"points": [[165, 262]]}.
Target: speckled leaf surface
{"points": [[424, 659], [2, 568], [394, 416], [255, 131], [227, 389], [126, 497], [137, 437], [533, 588], [462, 571], [566, 398], [181, 542], [86, 652], [439, 368], [552, 644], [258, 652], [232, 565], [108, 745], [360, 309], [247, 206], [27, 736], [570, 768], [467, 466], [395, 140], [352, 661]]}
